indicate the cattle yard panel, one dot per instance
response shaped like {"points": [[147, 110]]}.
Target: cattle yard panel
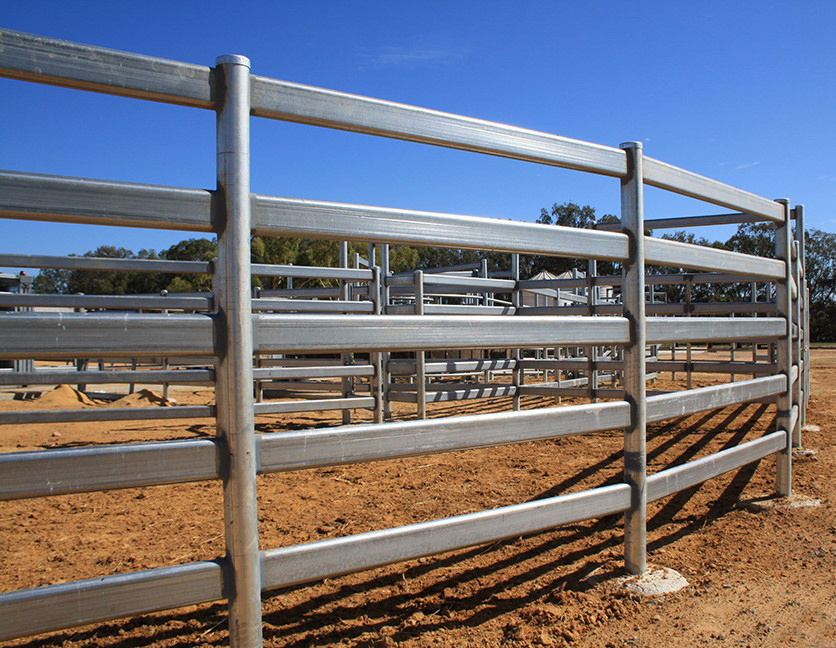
{"points": [[234, 328]]}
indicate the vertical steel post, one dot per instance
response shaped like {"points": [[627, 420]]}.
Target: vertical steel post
{"points": [[377, 357], [592, 351], [420, 356], [783, 251], [635, 455], [384, 308], [688, 309], [234, 320], [753, 289], [800, 275], [795, 336], [347, 358], [516, 298]]}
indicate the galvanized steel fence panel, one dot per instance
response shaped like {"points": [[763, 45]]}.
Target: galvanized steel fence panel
{"points": [[232, 333]]}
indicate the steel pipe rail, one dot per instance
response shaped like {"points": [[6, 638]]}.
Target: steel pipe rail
{"points": [[31, 196], [57, 62], [328, 558], [109, 414], [709, 329], [308, 105], [61, 471], [285, 407], [276, 216], [125, 335], [53, 607], [310, 272], [329, 333], [115, 302], [407, 367], [316, 448], [676, 479], [285, 373], [148, 376], [311, 305], [666, 176], [684, 222], [686, 255], [104, 263]]}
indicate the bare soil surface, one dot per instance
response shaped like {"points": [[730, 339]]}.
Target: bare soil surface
{"points": [[758, 576]]}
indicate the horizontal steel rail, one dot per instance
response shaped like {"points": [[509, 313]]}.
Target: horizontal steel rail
{"points": [[476, 283], [337, 221], [666, 176], [673, 404], [683, 222], [656, 279], [53, 607], [147, 376], [125, 335], [452, 309], [329, 558], [61, 471], [107, 414], [328, 333], [57, 62], [676, 479], [311, 305], [285, 373], [687, 255], [310, 272], [308, 105], [407, 367], [104, 263], [116, 302], [292, 450], [32, 196], [708, 329], [285, 407]]}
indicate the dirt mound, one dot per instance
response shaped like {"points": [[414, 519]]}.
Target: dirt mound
{"points": [[142, 398], [63, 397]]}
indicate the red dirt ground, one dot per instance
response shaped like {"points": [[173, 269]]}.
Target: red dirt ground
{"points": [[757, 577]]}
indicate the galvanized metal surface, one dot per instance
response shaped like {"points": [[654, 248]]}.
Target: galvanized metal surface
{"points": [[328, 558], [330, 333], [678, 478], [684, 255], [96, 335], [337, 221], [104, 263], [291, 450], [61, 471], [58, 62], [634, 377], [666, 176], [53, 607], [234, 372], [109, 414], [235, 214], [149, 376], [32, 196], [308, 105], [112, 302]]}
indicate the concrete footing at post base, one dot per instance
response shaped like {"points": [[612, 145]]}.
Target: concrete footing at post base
{"points": [[656, 581], [796, 500]]}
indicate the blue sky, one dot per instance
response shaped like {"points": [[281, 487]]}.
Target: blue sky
{"points": [[743, 92]]}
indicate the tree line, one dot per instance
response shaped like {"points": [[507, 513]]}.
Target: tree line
{"points": [[750, 238]]}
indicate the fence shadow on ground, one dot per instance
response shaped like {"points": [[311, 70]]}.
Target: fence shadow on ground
{"points": [[519, 571]]}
